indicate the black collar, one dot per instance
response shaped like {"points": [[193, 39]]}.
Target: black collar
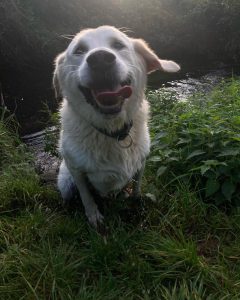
{"points": [[119, 134]]}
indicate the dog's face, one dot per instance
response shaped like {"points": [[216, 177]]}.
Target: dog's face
{"points": [[103, 72]]}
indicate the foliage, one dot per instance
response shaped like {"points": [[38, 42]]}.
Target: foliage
{"points": [[203, 26], [198, 141]]}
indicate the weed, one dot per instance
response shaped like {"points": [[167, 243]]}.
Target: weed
{"points": [[198, 142]]}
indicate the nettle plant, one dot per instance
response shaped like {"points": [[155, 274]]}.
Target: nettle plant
{"points": [[198, 141]]}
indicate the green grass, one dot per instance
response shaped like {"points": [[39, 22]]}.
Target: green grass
{"points": [[179, 245]]}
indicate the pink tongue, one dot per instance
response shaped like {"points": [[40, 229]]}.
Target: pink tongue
{"points": [[112, 98]]}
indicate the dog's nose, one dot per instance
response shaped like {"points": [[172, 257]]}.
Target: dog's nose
{"points": [[101, 59]]}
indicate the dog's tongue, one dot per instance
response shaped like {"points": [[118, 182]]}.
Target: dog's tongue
{"points": [[112, 97]]}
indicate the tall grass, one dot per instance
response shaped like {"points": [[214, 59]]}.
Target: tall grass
{"points": [[19, 183], [175, 246]]}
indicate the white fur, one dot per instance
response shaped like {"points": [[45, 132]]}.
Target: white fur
{"points": [[86, 152]]}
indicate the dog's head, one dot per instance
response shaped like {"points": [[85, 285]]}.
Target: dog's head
{"points": [[103, 72]]}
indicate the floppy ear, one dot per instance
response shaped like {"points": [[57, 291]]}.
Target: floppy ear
{"points": [[152, 61], [56, 85]]}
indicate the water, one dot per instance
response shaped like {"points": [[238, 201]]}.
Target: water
{"points": [[188, 86], [191, 82]]}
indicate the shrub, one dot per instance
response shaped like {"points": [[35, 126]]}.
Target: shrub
{"points": [[198, 141]]}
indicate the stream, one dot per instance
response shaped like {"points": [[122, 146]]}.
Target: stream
{"points": [[47, 165]]}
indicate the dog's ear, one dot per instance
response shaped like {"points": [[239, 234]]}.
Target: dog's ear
{"points": [[56, 85], [153, 62]]}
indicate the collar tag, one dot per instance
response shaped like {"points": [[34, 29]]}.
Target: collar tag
{"points": [[126, 142]]}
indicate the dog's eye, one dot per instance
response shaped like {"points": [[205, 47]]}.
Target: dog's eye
{"points": [[118, 45], [81, 49]]}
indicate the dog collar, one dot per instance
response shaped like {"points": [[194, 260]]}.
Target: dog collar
{"points": [[119, 134]]}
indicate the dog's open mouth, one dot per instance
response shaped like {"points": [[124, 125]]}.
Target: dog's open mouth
{"points": [[108, 100]]}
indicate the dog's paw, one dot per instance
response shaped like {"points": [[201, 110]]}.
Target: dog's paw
{"points": [[95, 218]]}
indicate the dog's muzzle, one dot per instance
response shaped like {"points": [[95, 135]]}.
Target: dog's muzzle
{"points": [[105, 92]]}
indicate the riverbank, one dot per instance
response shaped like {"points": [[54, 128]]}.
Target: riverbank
{"points": [[177, 243]]}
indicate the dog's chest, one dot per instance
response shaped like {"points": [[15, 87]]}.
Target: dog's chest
{"points": [[108, 166], [111, 168]]}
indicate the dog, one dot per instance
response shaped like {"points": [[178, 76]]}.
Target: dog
{"points": [[104, 137]]}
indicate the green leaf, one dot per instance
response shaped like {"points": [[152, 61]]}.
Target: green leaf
{"points": [[172, 158], [155, 158], [159, 145], [195, 153], [214, 163], [228, 188], [161, 170], [212, 186], [183, 141], [204, 169], [160, 135], [229, 152], [154, 143]]}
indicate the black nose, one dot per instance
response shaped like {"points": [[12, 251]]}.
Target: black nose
{"points": [[101, 59]]}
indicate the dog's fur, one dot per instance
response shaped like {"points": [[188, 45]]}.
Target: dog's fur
{"points": [[88, 154]]}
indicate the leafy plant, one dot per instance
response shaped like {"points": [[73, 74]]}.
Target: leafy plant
{"points": [[198, 141]]}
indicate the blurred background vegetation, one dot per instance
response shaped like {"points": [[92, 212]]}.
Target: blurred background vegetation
{"points": [[32, 32]]}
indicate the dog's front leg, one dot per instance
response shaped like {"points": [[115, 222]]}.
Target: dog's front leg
{"points": [[91, 209], [137, 180]]}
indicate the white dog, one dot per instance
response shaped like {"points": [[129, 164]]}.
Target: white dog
{"points": [[104, 139]]}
